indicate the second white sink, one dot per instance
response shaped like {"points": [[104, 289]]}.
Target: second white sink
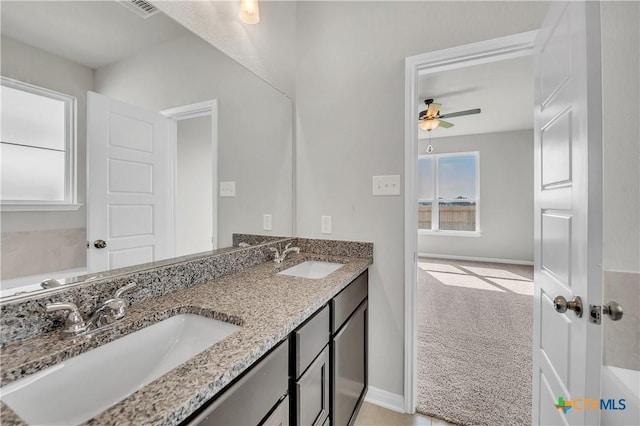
{"points": [[312, 269], [78, 389]]}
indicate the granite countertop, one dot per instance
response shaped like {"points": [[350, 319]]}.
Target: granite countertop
{"points": [[267, 306]]}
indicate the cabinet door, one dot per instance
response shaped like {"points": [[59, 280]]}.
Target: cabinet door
{"points": [[279, 416], [312, 390], [349, 367]]}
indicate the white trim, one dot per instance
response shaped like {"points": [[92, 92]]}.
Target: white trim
{"points": [[498, 49], [200, 109], [477, 259], [384, 399], [39, 207], [440, 233]]}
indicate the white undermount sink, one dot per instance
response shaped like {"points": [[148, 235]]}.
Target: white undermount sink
{"points": [[81, 387], [312, 269]]}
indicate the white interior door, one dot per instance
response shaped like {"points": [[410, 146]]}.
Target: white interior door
{"points": [[568, 213], [129, 175]]}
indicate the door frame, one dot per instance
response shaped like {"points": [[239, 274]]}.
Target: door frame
{"points": [[498, 49], [200, 109]]}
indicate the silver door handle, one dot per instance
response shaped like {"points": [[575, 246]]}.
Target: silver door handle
{"points": [[561, 305], [613, 310], [100, 244]]}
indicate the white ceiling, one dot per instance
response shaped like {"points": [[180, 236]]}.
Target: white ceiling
{"points": [[502, 90], [91, 33]]}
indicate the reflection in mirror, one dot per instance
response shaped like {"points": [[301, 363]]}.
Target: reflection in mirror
{"points": [[176, 146]]}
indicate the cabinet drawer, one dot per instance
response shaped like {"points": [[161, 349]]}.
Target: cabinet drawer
{"points": [[249, 400], [348, 300], [309, 340]]}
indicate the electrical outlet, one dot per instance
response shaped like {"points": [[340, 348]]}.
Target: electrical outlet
{"points": [[386, 185], [325, 224], [267, 222], [227, 189]]}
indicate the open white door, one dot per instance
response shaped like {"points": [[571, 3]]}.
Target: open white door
{"points": [[568, 215], [129, 173]]}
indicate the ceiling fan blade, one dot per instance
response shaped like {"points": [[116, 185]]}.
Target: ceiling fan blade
{"points": [[422, 114], [433, 110], [461, 113], [445, 124]]}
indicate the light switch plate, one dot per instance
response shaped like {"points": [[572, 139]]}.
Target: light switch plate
{"points": [[267, 224], [386, 185], [227, 189], [325, 224]]}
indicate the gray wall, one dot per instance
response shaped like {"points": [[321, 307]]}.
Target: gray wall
{"points": [[194, 192], [50, 240], [254, 124], [350, 106], [621, 167], [506, 197]]}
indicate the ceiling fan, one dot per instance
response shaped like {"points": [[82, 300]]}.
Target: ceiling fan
{"points": [[430, 118]]}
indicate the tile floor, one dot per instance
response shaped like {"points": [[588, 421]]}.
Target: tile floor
{"points": [[373, 415]]}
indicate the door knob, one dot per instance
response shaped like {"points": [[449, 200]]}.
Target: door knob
{"points": [[613, 310], [561, 305], [100, 244]]}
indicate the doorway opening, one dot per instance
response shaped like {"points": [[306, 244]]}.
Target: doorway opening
{"points": [[444, 239], [194, 147]]}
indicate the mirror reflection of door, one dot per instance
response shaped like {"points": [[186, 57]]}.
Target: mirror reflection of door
{"points": [[129, 174], [152, 179]]}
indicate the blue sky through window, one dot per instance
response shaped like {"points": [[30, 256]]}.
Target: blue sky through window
{"points": [[456, 177]]}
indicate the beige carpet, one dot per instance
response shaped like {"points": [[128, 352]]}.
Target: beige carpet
{"points": [[475, 342]]}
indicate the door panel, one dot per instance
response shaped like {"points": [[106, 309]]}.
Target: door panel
{"points": [[568, 211], [129, 173]]}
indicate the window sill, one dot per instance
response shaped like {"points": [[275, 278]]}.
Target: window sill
{"points": [[450, 233], [39, 207]]}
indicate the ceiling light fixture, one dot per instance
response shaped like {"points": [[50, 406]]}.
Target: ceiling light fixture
{"points": [[428, 124], [249, 11]]}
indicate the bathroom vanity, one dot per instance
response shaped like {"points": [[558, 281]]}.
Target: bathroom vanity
{"points": [[297, 357]]}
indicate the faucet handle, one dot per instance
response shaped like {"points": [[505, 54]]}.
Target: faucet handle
{"points": [[122, 290], [74, 323]]}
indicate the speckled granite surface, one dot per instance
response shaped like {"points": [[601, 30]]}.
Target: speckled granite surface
{"points": [[268, 307], [26, 318], [253, 239]]}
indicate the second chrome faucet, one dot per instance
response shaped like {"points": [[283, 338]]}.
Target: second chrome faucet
{"points": [[280, 257], [107, 313]]}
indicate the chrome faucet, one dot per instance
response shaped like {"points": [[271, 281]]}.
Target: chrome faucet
{"points": [[279, 258], [107, 313]]}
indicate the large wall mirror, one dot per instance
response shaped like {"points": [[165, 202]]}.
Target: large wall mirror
{"points": [[175, 148]]}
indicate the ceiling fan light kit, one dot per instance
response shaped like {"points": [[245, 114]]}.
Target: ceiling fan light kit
{"points": [[430, 118]]}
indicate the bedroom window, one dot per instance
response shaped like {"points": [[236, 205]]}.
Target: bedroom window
{"points": [[37, 149], [448, 193]]}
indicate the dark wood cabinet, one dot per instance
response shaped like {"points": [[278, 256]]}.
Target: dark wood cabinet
{"points": [[250, 400], [316, 377], [310, 378], [349, 339]]}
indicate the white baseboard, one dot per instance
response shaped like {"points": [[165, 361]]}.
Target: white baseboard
{"points": [[384, 399], [476, 259]]}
